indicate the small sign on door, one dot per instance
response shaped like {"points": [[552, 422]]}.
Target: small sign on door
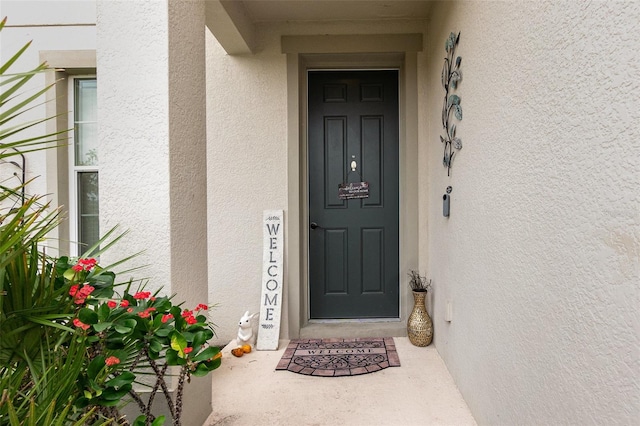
{"points": [[349, 191]]}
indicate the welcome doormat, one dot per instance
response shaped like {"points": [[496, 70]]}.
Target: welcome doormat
{"points": [[339, 357]]}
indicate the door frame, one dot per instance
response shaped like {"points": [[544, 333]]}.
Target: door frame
{"points": [[297, 223]]}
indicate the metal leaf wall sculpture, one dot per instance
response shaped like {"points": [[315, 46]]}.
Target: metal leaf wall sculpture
{"points": [[451, 77]]}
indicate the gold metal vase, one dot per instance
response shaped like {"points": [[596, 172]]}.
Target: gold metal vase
{"points": [[419, 325]]}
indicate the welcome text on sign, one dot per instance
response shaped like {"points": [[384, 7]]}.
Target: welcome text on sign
{"points": [[272, 276]]}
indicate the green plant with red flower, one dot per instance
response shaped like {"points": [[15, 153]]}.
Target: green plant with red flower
{"points": [[124, 337], [132, 333]]}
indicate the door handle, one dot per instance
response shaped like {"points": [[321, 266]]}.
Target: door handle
{"points": [[314, 225]]}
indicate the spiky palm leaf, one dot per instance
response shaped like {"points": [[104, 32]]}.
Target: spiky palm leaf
{"points": [[40, 358]]}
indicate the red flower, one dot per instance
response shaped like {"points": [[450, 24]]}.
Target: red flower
{"points": [[80, 324], [84, 265], [153, 299], [111, 304], [142, 295], [73, 290], [83, 293], [88, 264], [166, 318], [188, 316], [112, 360], [201, 306], [124, 303], [130, 310], [188, 350], [146, 313]]}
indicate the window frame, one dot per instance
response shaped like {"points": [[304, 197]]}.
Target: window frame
{"points": [[73, 169]]}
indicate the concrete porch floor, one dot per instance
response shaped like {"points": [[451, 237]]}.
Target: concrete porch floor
{"points": [[249, 391]]}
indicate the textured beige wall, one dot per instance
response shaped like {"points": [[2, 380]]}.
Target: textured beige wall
{"points": [[540, 256], [188, 176], [133, 124], [246, 154], [49, 12]]}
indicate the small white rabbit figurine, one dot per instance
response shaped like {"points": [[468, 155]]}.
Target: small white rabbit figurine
{"points": [[245, 330]]}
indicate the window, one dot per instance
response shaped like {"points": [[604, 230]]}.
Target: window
{"points": [[83, 158]]}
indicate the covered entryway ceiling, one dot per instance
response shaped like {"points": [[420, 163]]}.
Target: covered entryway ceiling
{"points": [[233, 22]]}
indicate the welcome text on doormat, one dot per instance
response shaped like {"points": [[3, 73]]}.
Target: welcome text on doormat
{"points": [[339, 357]]}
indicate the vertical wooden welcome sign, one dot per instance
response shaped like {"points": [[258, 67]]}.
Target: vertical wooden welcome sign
{"points": [[272, 274]]}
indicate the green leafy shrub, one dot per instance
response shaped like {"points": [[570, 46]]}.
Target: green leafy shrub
{"points": [[132, 334]]}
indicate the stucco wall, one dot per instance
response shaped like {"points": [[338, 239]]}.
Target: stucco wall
{"points": [[246, 154], [540, 257], [133, 100]]}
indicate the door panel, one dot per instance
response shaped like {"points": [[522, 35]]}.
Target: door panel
{"points": [[335, 156], [335, 264], [353, 252], [373, 254], [372, 156]]}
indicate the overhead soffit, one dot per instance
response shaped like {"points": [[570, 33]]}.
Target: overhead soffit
{"points": [[233, 22], [334, 10]]}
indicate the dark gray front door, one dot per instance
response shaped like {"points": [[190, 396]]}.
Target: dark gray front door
{"points": [[353, 244]]}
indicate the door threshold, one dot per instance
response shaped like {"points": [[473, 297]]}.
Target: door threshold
{"points": [[355, 320], [352, 329]]}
